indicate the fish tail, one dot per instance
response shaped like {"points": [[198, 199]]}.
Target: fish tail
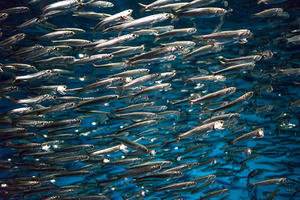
{"points": [[175, 15], [143, 9], [110, 115], [222, 62], [120, 89]]}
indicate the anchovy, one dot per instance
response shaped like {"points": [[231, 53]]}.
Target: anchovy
{"points": [[150, 61], [12, 40], [135, 145], [204, 50], [129, 51], [270, 181], [259, 133], [61, 5], [124, 15], [34, 76], [203, 128], [158, 52], [219, 94], [215, 78], [183, 185], [222, 117], [117, 40], [93, 58], [176, 33], [15, 10], [197, 3], [141, 22], [159, 175], [72, 42], [235, 102], [214, 193], [272, 12], [91, 15], [208, 12], [239, 67]]}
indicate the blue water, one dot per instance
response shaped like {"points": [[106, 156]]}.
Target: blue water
{"points": [[276, 155]]}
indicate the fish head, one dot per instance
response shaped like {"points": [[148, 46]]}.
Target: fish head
{"points": [[133, 36], [128, 12], [192, 30], [220, 78], [218, 125], [257, 58], [245, 34], [248, 151], [220, 12], [20, 36], [167, 16], [69, 33], [260, 133], [61, 89], [171, 57], [110, 56], [109, 4], [230, 90], [248, 95], [284, 180]]}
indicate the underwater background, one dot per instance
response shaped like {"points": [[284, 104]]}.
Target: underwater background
{"points": [[77, 140]]}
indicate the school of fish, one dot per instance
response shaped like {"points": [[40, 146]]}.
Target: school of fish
{"points": [[165, 99]]}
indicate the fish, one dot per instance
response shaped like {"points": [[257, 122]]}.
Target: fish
{"points": [[270, 182], [203, 128], [240, 36], [197, 3], [204, 50], [207, 12], [215, 193], [176, 33], [233, 68], [124, 15], [235, 102], [138, 23], [154, 4], [221, 93], [272, 12], [259, 133], [182, 185]]}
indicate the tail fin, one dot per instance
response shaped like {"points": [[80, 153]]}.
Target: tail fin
{"points": [[120, 89], [144, 7], [12, 99], [175, 16], [222, 62]]}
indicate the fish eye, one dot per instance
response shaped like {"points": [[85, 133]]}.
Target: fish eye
{"points": [[48, 71]]}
